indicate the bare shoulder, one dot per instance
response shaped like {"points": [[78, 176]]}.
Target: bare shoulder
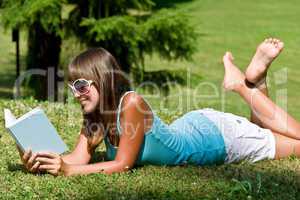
{"points": [[134, 102], [134, 109], [132, 97]]}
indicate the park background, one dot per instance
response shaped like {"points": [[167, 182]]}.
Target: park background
{"points": [[215, 27]]}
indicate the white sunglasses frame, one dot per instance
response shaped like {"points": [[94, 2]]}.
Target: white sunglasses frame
{"points": [[80, 79]]}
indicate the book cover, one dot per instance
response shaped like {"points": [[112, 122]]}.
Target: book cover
{"points": [[34, 131]]}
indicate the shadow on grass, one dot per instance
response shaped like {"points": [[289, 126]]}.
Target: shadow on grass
{"points": [[13, 167], [168, 3], [98, 156]]}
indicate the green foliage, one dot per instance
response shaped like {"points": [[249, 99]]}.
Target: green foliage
{"points": [[169, 34], [130, 30], [165, 32], [134, 4], [139, 4], [24, 13], [107, 28], [115, 33]]}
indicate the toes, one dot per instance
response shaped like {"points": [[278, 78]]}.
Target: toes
{"points": [[266, 41], [269, 40], [280, 45], [277, 43], [225, 55], [274, 41], [227, 59], [228, 56]]}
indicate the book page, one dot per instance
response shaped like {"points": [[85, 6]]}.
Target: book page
{"points": [[30, 113], [9, 118]]}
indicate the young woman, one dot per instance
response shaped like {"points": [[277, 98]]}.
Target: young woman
{"points": [[134, 135]]}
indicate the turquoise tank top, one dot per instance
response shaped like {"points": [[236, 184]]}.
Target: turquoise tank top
{"points": [[190, 139]]}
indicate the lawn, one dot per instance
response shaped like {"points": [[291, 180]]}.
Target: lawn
{"points": [[222, 25]]}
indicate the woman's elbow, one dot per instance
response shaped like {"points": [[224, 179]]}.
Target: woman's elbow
{"points": [[125, 166]]}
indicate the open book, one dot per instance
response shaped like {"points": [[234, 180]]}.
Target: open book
{"points": [[34, 131]]}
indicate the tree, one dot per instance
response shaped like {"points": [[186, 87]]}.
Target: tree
{"points": [[129, 29], [42, 21]]}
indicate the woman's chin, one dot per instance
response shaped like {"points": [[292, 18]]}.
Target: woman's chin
{"points": [[87, 109]]}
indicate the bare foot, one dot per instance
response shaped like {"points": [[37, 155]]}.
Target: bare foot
{"points": [[266, 52], [233, 77]]}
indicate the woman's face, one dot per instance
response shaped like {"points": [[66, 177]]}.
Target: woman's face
{"points": [[89, 101]]}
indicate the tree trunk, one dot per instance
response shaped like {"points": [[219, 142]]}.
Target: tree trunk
{"points": [[43, 53]]}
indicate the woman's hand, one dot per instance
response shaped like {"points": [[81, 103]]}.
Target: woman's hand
{"points": [[29, 160], [52, 163]]}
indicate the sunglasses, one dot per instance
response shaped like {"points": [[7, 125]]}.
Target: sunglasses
{"points": [[81, 86]]}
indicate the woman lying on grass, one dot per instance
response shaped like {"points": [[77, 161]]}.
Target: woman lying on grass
{"points": [[134, 135]]}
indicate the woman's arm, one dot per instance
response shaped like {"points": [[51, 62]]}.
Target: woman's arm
{"points": [[81, 154], [131, 138]]}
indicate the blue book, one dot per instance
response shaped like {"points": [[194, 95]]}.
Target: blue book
{"points": [[34, 131]]}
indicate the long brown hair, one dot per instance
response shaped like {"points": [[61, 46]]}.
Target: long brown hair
{"points": [[101, 67]]}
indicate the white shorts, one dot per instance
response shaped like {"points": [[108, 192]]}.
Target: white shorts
{"points": [[243, 139]]}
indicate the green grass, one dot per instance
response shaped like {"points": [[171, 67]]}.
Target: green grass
{"points": [[222, 25], [264, 180]]}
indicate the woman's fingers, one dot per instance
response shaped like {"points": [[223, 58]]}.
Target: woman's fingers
{"points": [[35, 167], [47, 160], [26, 156], [50, 162], [53, 172], [52, 169], [48, 154], [30, 161], [47, 167]]}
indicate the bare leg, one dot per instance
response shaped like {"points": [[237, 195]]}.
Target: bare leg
{"points": [[253, 116], [256, 72], [286, 146], [271, 115]]}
